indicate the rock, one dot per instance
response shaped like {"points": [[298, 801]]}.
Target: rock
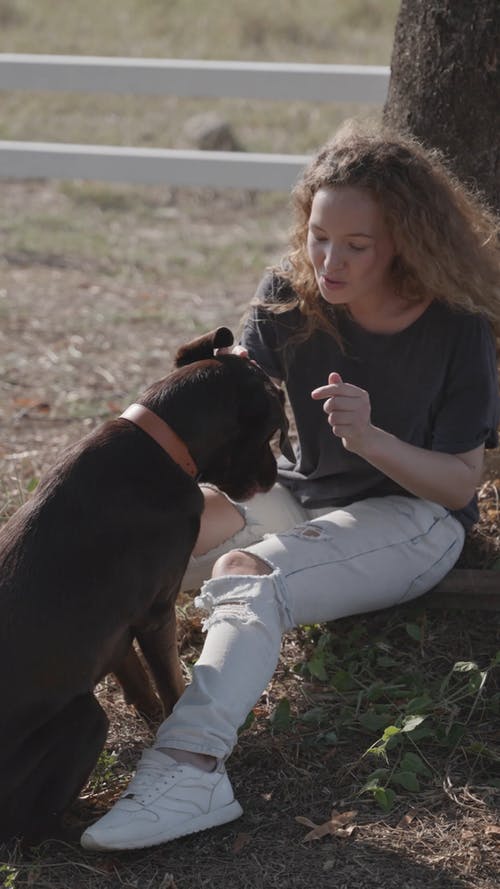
{"points": [[210, 132]]}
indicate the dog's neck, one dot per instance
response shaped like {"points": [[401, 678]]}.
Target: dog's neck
{"points": [[163, 435]]}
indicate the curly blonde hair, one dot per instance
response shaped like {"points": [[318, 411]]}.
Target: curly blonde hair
{"points": [[446, 240]]}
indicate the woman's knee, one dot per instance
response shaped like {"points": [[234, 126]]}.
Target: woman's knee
{"points": [[239, 561], [221, 520]]}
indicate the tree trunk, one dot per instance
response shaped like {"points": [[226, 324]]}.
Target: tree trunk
{"points": [[445, 85]]}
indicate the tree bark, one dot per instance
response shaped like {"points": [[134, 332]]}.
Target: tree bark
{"points": [[445, 85]]}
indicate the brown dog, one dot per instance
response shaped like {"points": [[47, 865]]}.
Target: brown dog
{"points": [[96, 557]]}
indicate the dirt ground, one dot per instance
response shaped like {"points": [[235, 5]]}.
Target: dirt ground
{"points": [[85, 325]]}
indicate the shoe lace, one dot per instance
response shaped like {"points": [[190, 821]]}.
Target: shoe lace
{"points": [[150, 774]]}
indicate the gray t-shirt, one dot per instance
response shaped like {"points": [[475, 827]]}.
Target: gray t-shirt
{"points": [[433, 385]]}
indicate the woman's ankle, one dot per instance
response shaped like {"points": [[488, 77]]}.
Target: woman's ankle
{"points": [[202, 761]]}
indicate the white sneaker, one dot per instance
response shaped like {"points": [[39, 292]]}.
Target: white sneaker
{"points": [[164, 800]]}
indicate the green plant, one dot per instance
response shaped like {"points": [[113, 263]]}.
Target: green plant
{"points": [[104, 771], [8, 876], [428, 713]]}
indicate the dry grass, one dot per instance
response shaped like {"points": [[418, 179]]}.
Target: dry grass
{"points": [[284, 31], [98, 286], [355, 31], [82, 331]]}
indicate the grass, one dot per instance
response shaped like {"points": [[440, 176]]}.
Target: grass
{"points": [[130, 231], [100, 284], [357, 31], [424, 706], [285, 31], [420, 812]]}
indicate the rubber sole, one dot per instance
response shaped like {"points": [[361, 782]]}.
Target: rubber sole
{"points": [[202, 822]]}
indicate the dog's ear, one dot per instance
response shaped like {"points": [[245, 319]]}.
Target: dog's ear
{"points": [[204, 346]]}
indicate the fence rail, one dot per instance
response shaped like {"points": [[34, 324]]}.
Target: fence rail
{"points": [[185, 78]]}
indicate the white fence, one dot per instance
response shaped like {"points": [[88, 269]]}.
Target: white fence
{"points": [[181, 77]]}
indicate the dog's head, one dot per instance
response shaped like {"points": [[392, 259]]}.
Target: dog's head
{"points": [[227, 410]]}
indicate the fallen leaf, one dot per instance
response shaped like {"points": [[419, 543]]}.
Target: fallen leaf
{"points": [[346, 831], [242, 840], [31, 404], [340, 818], [407, 819], [260, 711], [320, 830], [306, 821], [337, 825]]}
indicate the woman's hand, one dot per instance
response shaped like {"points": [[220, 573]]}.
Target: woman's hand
{"points": [[449, 479], [241, 352], [233, 350], [348, 410]]}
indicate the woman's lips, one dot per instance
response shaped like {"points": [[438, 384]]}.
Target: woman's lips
{"points": [[332, 283]]}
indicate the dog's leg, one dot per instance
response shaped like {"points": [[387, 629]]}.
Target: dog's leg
{"points": [[137, 689], [160, 650], [61, 756]]}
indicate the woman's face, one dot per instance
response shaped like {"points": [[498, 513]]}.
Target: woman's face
{"points": [[350, 247]]}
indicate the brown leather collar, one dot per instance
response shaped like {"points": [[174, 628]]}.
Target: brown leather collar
{"points": [[163, 435]]}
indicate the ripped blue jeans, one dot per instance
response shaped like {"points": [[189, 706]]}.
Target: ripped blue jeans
{"points": [[331, 563]]}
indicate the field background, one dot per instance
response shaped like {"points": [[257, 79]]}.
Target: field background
{"points": [[99, 284]]}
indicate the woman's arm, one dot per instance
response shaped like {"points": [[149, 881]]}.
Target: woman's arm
{"points": [[448, 479]]}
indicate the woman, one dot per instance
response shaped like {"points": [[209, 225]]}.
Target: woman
{"points": [[380, 323]]}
